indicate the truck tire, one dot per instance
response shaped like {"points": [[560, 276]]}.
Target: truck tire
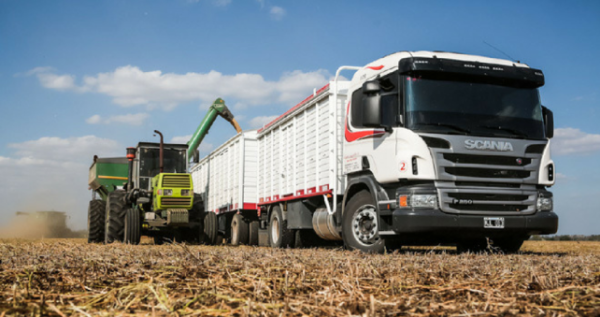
{"points": [[360, 224], [96, 213], [132, 232], [211, 228], [508, 245], [239, 230], [115, 216], [253, 228], [279, 235], [475, 245]]}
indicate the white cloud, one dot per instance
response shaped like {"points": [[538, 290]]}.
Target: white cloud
{"points": [[569, 141], [130, 86], [258, 122], [277, 13], [51, 173], [95, 119], [136, 119]]}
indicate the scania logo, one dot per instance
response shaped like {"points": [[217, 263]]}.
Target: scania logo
{"points": [[488, 145]]}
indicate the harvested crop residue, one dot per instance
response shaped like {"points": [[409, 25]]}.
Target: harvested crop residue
{"points": [[68, 277]]}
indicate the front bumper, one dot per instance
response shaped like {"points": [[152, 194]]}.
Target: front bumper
{"points": [[434, 221]]}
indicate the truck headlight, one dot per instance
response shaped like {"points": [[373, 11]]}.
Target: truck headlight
{"points": [[418, 201], [165, 192], [544, 203], [186, 192]]}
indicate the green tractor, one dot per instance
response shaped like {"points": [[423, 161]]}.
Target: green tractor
{"points": [[150, 192]]}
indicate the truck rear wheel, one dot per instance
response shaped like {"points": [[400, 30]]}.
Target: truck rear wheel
{"points": [[211, 228], [360, 229], [132, 232], [96, 213], [239, 230], [279, 235], [115, 216], [253, 228]]}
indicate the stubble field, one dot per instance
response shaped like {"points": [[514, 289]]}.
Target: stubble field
{"points": [[65, 277]]}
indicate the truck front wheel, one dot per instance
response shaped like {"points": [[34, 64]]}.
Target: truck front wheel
{"points": [[360, 229]]}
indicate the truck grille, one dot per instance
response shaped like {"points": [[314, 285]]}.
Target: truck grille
{"points": [[486, 173], [177, 181], [482, 201], [493, 183], [172, 202]]}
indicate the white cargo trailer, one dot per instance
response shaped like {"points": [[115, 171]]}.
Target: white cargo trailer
{"points": [[417, 148], [226, 179]]}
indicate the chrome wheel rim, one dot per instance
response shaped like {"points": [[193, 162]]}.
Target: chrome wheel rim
{"points": [[364, 225]]}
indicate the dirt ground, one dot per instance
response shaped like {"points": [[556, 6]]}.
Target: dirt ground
{"points": [[65, 277]]}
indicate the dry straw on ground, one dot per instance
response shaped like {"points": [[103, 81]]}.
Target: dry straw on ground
{"points": [[69, 277]]}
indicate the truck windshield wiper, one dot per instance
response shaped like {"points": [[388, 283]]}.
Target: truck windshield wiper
{"points": [[448, 125], [500, 128]]}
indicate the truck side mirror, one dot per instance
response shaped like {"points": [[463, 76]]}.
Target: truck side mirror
{"points": [[371, 114], [548, 122]]}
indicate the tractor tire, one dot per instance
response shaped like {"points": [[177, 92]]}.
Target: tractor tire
{"points": [[115, 216], [239, 230], [96, 214], [279, 235], [360, 225], [253, 228], [133, 223], [211, 228]]}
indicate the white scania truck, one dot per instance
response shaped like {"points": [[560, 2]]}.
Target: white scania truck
{"points": [[418, 148]]}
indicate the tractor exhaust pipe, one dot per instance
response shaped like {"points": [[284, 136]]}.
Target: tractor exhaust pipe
{"points": [[160, 155], [130, 157]]}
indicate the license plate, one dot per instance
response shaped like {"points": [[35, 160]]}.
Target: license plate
{"points": [[493, 222]]}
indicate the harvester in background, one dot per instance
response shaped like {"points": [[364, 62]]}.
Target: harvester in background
{"points": [[150, 191]]}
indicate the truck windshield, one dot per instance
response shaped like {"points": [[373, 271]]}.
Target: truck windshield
{"points": [[173, 161], [484, 109]]}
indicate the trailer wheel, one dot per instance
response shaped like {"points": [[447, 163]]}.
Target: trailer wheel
{"points": [[132, 232], [253, 228], [360, 225], [279, 235], [115, 216], [96, 213], [239, 230], [211, 228]]}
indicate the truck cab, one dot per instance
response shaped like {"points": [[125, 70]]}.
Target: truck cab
{"points": [[451, 148]]}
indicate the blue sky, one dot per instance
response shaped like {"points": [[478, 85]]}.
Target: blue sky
{"points": [[79, 78]]}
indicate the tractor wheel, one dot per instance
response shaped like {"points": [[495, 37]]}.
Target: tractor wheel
{"points": [[132, 232], [253, 232], [279, 235], [239, 230], [115, 216], [96, 213], [211, 228], [360, 224]]}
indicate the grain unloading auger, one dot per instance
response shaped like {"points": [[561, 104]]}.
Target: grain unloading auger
{"points": [[150, 191]]}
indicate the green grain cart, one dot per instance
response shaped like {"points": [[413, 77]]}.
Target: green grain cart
{"points": [[150, 192]]}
